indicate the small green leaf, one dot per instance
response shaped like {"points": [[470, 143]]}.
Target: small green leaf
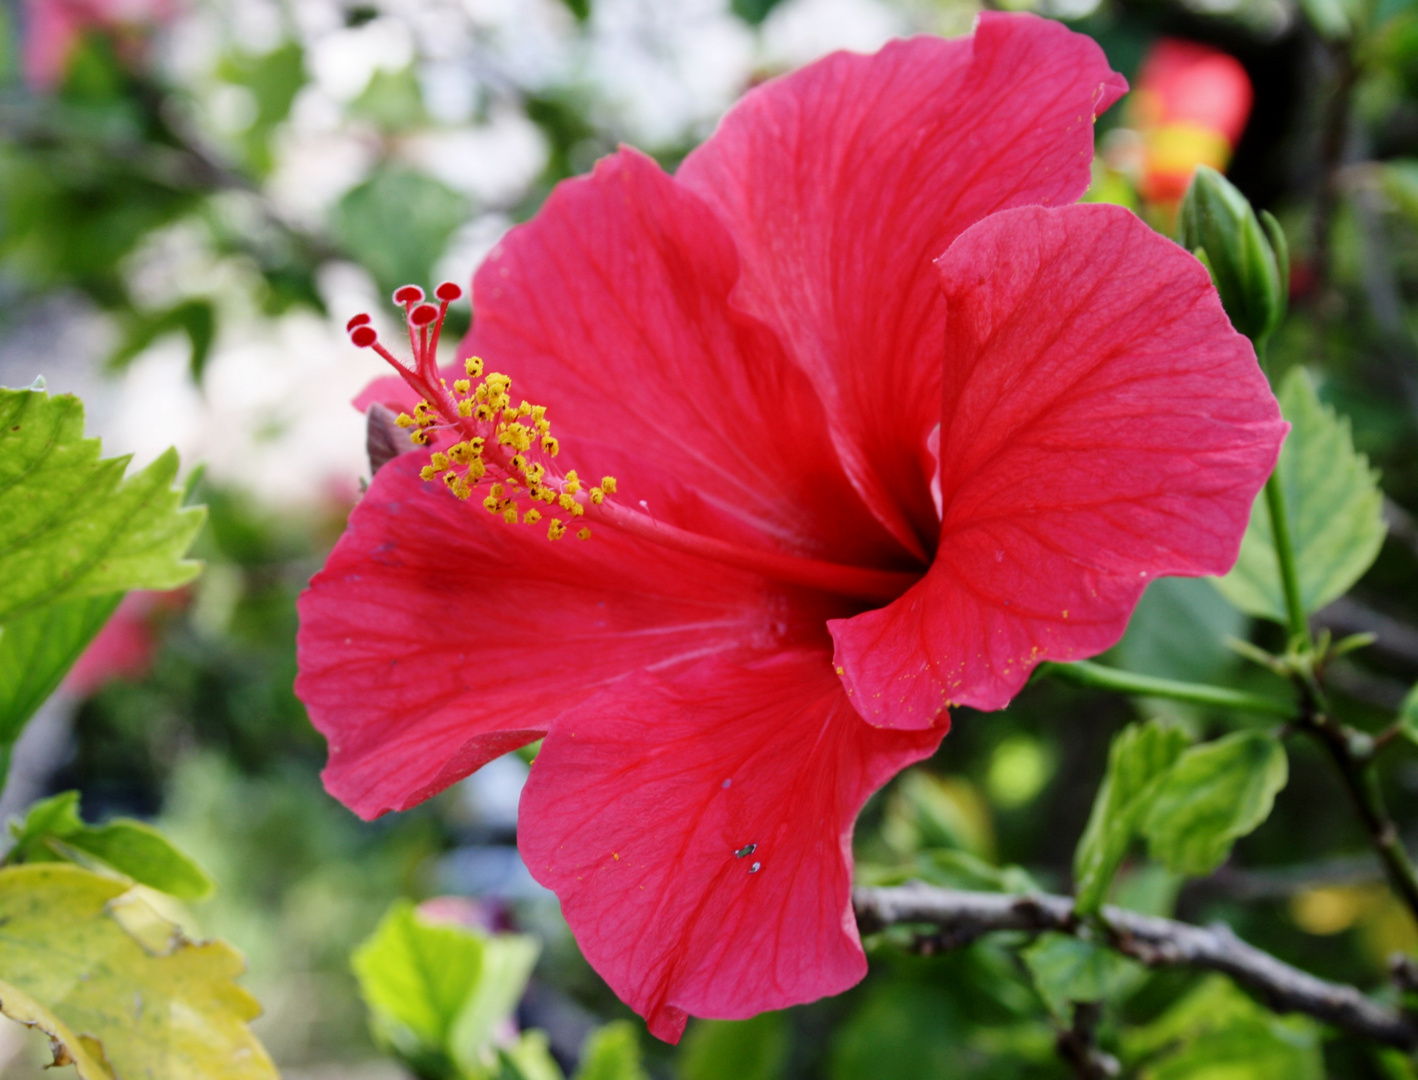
{"points": [[1179, 631], [53, 831], [1217, 1031], [1214, 794], [37, 650], [1140, 756], [75, 966], [71, 525], [1067, 969], [1408, 715], [397, 224], [528, 1059], [613, 1053], [435, 991], [1334, 505], [755, 1049]]}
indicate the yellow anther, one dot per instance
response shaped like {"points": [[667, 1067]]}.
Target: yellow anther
{"points": [[419, 438], [404, 420], [524, 409], [490, 503], [608, 484], [473, 365], [597, 496], [535, 473], [520, 464], [439, 460], [566, 501], [542, 426], [509, 413], [497, 491], [465, 407], [532, 516], [573, 482], [556, 530], [538, 414], [510, 515], [476, 469], [584, 534], [483, 412], [463, 386], [577, 509], [460, 453], [550, 445], [477, 442], [481, 392], [428, 472]]}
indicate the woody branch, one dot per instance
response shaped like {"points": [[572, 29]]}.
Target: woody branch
{"points": [[960, 917]]}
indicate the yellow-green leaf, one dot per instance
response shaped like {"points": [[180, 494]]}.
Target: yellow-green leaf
{"points": [[1334, 506], [71, 524], [118, 1001]]}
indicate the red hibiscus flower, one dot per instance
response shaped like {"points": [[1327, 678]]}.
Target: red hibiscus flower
{"points": [[889, 423]]}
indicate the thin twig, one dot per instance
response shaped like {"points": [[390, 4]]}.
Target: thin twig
{"points": [[961, 917], [1102, 677]]}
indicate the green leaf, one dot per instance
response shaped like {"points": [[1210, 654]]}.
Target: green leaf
{"points": [[71, 525], [435, 991], [1217, 1032], [118, 988], [1140, 756], [755, 1049], [53, 830], [1214, 794], [1067, 969], [528, 1059], [195, 319], [37, 650], [1408, 715], [1179, 631], [397, 224], [903, 1030], [1335, 509], [613, 1053]]}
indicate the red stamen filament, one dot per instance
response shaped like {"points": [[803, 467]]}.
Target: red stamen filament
{"points": [[424, 327]]}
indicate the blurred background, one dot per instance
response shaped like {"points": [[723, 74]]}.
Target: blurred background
{"points": [[196, 194]]}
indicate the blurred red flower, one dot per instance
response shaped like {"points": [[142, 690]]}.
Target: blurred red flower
{"points": [[1191, 104], [53, 28], [890, 423], [128, 642]]}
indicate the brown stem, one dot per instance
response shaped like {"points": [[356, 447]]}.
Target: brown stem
{"points": [[961, 917]]}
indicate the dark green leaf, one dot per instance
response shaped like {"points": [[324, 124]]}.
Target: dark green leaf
{"points": [[1066, 969], [1334, 505], [71, 525], [195, 319], [1214, 794], [53, 831], [37, 649], [755, 1049], [1140, 756], [1408, 715], [1179, 631]]}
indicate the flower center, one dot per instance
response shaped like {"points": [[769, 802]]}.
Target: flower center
{"points": [[511, 447]]}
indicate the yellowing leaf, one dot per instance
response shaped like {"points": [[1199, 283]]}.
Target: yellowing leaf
{"points": [[112, 1003]]}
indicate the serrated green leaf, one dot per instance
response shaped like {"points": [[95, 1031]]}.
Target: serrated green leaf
{"points": [[613, 1053], [120, 1008], [435, 991], [71, 525], [1216, 1031], [37, 650], [53, 830], [1067, 969], [1334, 505], [1214, 794], [1140, 756], [753, 1049]]}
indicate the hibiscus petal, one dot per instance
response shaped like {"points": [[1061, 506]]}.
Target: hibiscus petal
{"points": [[438, 637], [843, 181], [1102, 424], [612, 306], [698, 832]]}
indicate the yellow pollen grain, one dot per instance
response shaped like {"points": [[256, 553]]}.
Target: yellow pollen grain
{"points": [[556, 530], [550, 445], [584, 534], [465, 407], [462, 386], [566, 502], [608, 484], [577, 509], [428, 472], [510, 515], [404, 420], [473, 365], [597, 496], [531, 517], [439, 460]]}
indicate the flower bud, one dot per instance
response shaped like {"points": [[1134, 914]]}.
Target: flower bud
{"points": [[1249, 262]]}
